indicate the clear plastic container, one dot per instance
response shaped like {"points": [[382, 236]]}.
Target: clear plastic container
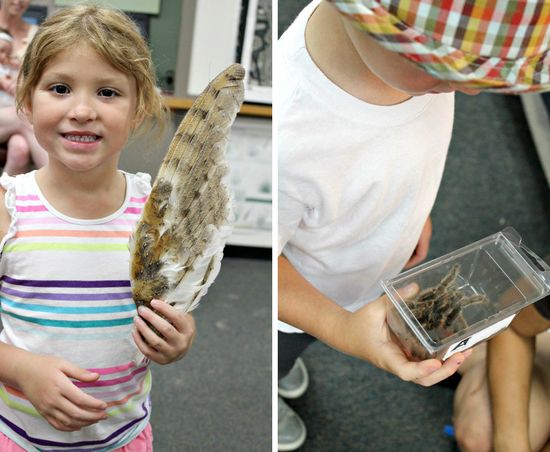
{"points": [[453, 302]]}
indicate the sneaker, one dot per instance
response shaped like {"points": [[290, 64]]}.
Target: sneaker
{"points": [[291, 429], [295, 383]]}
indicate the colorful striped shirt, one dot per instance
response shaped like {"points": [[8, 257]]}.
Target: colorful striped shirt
{"points": [[65, 291]]}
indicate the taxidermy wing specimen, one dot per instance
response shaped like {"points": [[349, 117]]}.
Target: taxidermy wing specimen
{"points": [[177, 245]]}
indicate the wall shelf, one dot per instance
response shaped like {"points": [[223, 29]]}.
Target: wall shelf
{"points": [[249, 179], [247, 109]]}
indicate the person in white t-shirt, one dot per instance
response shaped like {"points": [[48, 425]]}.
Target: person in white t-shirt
{"points": [[365, 107]]}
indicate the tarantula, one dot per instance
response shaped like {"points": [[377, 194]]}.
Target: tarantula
{"points": [[439, 309]]}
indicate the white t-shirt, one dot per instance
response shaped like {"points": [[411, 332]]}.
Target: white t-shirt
{"points": [[356, 181]]}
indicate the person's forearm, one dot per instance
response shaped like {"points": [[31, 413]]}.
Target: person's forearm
{"points": [[10, 360], [303, 306], [510, 362]]}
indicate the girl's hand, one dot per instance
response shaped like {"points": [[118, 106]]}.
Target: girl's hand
{"points": [[45, 381], [365, 334], [177, 330]]}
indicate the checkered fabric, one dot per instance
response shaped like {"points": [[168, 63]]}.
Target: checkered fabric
{"points": [[494, 45]]}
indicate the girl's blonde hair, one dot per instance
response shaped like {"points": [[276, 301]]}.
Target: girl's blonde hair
{"points": [[113, 35]]}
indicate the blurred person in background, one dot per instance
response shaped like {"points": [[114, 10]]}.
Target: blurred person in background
{"points": [[16, 134]]}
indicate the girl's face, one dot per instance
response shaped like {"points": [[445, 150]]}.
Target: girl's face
{"points": [[82, 110]]}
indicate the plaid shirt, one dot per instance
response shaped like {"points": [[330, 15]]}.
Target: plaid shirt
{"points": [[497, 45]]}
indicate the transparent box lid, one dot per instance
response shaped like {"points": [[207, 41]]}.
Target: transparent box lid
{"points": [[462, 298]]}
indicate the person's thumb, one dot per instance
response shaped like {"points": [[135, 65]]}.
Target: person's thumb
{"points": [[416, 370], [80, 374]]}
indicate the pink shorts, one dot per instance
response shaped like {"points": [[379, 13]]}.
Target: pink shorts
{"points": [[141, 443]]}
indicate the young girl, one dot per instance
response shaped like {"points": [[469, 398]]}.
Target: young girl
{"points": [[67, 371]]}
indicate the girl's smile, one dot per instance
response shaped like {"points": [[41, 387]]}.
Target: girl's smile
{"points": [[83, 117], [81, 140]]}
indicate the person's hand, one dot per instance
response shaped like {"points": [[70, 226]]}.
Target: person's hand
{"points": [[14, 62], [8, 84], [45, 381], [421, 251], [177, 330], [11, 86], [366, 335], [3, 83]]}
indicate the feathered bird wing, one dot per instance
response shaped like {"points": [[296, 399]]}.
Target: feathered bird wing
{"points": [[177, 245]]}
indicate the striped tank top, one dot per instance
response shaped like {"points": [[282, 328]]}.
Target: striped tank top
{"points": [[65, 291]]}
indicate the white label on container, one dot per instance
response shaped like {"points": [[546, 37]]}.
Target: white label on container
{"points": [[478, 337]]}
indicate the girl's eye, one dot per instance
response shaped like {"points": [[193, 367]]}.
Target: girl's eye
{"points": [[107, 92], [60, 89]]}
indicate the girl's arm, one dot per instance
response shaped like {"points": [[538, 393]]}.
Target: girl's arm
{"points": [[510, 365], [363, 334], [45, 381]]}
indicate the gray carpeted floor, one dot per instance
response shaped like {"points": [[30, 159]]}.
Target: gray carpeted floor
{"points": [[492, 179], [218, 398]]}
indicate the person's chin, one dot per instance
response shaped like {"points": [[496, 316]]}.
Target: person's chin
{"points": [[78, 163]]}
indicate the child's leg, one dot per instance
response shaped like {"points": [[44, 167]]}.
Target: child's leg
{"points": [[539, 415], [18, 156], [38, 155], [291, 346], [141, 443], [472, 416], [11, 124], [7, 445]]}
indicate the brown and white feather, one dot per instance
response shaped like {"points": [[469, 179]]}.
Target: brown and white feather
{"points": [[177, 245]]}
